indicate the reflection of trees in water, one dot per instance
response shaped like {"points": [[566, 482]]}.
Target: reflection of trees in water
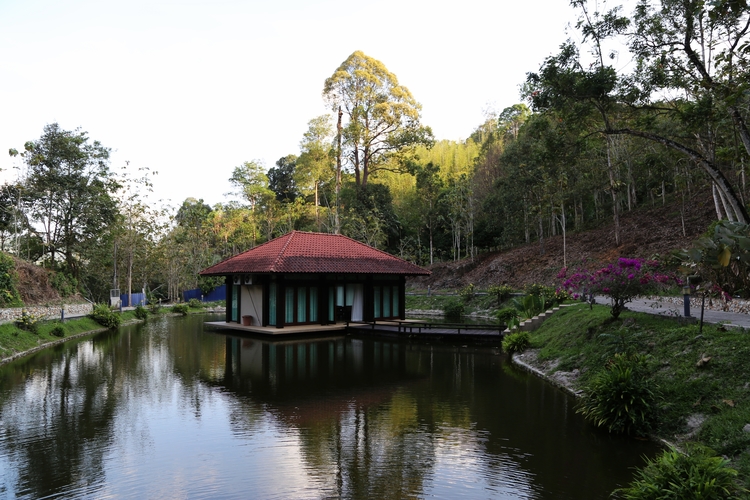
{"points": [[57, 425]]}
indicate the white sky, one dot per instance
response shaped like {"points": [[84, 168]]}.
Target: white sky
{"points": [[193, 88]]}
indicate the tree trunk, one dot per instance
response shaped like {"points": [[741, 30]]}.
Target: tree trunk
{"points": [[337, 221]]}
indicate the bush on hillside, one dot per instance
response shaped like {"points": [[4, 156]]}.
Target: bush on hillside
{"points": [[621, 398], [105, 316], [697, 473], [453, 310], [506, 315], [28, 322], [180, 309], [141, 312], [65, 284], [58, 331], [516, 342], [9, 296], [500, 292]]}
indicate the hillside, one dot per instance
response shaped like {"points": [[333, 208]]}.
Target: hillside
{"points": [[646, 232], [34, 284]]}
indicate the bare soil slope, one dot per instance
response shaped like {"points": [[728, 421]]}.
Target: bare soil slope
{"points": [[34, 284], [646, 232]]}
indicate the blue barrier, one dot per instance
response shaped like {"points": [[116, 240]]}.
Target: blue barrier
{"points": [[217, 294], [139, 299]]}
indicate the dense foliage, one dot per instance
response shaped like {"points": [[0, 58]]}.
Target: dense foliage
{"points": [[621, 398]]}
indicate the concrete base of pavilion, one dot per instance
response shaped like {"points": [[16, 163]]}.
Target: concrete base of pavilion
{"points": [[272, 330]]}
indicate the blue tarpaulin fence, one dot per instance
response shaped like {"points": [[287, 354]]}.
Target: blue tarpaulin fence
{"points": [[217, 294], [139, 299]]}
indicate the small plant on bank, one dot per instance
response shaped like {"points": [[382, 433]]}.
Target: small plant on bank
{"points": [[516, 342], [105, 316], [195, 303], [500, 292], [453, 310], [28, 322], [141, 312], [468, 292], [507, 315], [180, 309], [698, 473], [529, 306], [58, 331], [621, 398]]}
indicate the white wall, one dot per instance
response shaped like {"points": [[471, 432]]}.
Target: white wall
{"points": [[251, 302]]}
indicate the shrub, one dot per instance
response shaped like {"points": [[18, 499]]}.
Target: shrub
{"points": [[621, 398], [507, 315], [28, 322], [538, 290], [9, 296], [621, 282], [516, 342], [65, 284], [500, 292], [453, 310], [180, 309], [468, 292], [698, 473], [195, 303], [105, 316], [530, 305], [58, 331], [141, 312]]}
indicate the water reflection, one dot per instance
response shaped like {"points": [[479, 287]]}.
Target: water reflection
{"points": [[169, 410]]}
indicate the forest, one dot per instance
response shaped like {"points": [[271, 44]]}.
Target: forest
{"points": [[588, 141]]}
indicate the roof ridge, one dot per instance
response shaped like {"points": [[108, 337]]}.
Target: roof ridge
{"points": [[280, 256]]}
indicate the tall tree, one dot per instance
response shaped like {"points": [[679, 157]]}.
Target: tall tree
{"points": [[383, 118], [281, 179], [315, 165], [70, 189]]}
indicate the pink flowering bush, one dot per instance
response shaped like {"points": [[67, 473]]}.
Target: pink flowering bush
{"points": [[621, 282]]}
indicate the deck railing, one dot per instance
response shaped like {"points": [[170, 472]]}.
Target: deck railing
{"points": [[426, 327]]}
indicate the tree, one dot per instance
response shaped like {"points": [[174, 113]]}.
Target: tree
{"points": [[138, 228], [69, 187], [315, 165], [383, 117], [281, 179], [252, 182], [691, 67]]}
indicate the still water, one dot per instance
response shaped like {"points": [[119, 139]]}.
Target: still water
{"points": [[168, 410]]}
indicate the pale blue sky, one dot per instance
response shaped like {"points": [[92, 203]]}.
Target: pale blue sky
{"points": [[193, 88]]}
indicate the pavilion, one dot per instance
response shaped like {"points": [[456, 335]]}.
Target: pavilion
{"points": [[305, 278]]}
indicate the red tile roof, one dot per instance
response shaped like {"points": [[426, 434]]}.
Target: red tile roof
{"points": [[301, 252]]}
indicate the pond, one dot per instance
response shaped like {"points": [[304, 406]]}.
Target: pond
{"points": [[167, 409]]}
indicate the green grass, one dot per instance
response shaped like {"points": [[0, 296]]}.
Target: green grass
{"points": [[718, 390], [13, 340], [481, 301]]}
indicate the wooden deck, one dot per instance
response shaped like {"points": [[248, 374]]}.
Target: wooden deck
{"points": [[272, 330], [405, 329], [421, 329]]}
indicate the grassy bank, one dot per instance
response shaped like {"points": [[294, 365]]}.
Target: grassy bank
{"points": [[702, 378], [15, 340]]}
